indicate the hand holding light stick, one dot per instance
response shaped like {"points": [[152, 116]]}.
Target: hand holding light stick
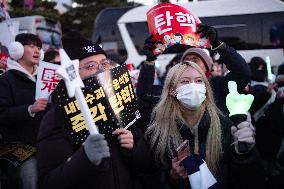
{"points": [[69, 71], [238, 106]]}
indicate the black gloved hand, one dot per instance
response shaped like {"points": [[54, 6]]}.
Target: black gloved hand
{"points": [[96, 148], [148, 48], [209, 32]]}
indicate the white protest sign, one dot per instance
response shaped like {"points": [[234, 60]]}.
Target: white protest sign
{"points": [[47, 79]]}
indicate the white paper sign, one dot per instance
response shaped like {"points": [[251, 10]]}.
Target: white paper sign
{"points": [[47, 79]]}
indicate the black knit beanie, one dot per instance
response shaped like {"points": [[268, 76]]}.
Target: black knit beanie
{"points": [[78, 47]]}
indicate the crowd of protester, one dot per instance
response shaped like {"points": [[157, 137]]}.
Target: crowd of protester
{"points": [[188, 103]]}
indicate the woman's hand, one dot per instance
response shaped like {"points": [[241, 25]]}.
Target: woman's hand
{"points": [[177, 171], [125, 138]]}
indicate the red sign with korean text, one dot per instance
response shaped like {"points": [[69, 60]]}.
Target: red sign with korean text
{"points": [[47, 79], [171, 24]]}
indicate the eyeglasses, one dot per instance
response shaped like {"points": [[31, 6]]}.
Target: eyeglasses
{"points": [[96, 65]]}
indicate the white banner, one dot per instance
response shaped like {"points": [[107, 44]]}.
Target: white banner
{"points": [[47, 79]]}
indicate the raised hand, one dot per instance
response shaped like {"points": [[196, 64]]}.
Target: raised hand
{"points": [[125, 138]]}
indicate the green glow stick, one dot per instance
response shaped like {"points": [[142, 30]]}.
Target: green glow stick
{"points": [[237, 103], [268, 66]]}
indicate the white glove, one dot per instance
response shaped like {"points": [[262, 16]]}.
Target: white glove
{"points": [[244, 132]]}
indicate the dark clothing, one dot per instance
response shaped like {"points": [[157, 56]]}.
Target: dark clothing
{"points": [[261, 96], [235, 171], [275, 113], [269, 135], [61, 165], [272, 130], [266, 122], [17, 93], [239, 72], [148, 95]]}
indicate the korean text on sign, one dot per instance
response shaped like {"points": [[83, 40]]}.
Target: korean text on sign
{"points": [[97, 112], [49, 79], [163, 22]]}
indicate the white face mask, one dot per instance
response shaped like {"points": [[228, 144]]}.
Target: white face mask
{"points": [[191, 95]]}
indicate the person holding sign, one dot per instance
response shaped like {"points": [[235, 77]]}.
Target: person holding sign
{"points": [[77, 158], [183, 21], [20, 113], [186, 111]]}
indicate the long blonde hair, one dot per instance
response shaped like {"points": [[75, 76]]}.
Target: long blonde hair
{"points": [[163, 133]]}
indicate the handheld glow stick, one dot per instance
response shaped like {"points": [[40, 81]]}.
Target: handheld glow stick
{"points": [[268, 66], [69, 71], [237, 103], [238, 106]]}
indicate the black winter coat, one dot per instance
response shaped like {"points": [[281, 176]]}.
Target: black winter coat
{"points": [[17, 92], [62, 166], [239, 72], [235, 171], [147, 94]]}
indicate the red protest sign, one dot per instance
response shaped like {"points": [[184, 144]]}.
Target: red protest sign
{"points": [[172, 24]]}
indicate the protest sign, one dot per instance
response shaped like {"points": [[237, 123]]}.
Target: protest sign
{"points": [[47, 79], [111, 99], [171, 24]]}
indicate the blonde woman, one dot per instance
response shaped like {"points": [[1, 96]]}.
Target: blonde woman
{"points": [[186, 110]]}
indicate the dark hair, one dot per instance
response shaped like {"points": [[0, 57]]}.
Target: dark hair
{"points": [[258, 69], [50, 55], [259, 75], [28, 39], [172, 62], [178, 34], [280, 70], [4, 49], [256, 62]]}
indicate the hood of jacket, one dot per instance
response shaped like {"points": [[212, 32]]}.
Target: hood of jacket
{"points": [[13, 65]]}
